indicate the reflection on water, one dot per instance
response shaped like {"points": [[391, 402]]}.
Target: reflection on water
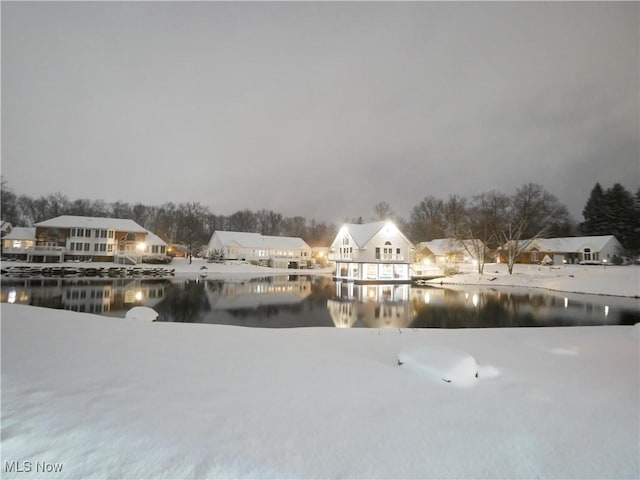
{"points": [[303, 301], [374, 306], [103, 296]]}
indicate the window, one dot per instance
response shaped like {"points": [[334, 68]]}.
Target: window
{"points": [[345, 240], [534, 256], [110, 234], [80, 232], [87, 233], [587, 254], [103, 247], [73, 232], [377, 253], [398, 251], [110, 248], [87, 246]]}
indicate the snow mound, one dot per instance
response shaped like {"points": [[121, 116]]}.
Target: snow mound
{"points": [[440, 364], [142, 313]]}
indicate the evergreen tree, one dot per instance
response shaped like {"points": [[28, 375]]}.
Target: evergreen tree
{"points": [[594, 213], [621, 216]]}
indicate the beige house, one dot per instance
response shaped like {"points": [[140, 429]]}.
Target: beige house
{"points": [[97, 239]]}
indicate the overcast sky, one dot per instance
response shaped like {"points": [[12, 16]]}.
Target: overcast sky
{"points": [[318, 109]]}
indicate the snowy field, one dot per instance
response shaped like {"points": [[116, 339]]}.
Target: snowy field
{"points": [[97, 397]]}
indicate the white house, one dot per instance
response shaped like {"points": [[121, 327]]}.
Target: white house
{"points": [[70, 237], [267, 250], [600, 248], [371, 252]]}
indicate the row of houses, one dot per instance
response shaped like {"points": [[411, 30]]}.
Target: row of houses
{"points": [[69, 238], [370, 252]]}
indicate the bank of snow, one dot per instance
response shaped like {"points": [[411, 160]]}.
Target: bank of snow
{"points": [[621, 281], [121, 398]]}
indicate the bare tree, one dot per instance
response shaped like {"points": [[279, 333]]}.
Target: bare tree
{"points": [[427, 219], [294, 227], [269, 222], [455, 210], [383, 211], [242, 221], [484, 217]]}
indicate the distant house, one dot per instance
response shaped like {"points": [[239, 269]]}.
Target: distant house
{"points": [[570, 250], [154, 245], [18, 243], [5, 228], [371, 252], [267, 250], [446, 251], [96, 239]]}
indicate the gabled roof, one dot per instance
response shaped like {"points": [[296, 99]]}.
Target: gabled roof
{"points": [[21, 233], [362, 233], [153, 239], [444, 246], [71, 221], [257, 240], [572, 244]]}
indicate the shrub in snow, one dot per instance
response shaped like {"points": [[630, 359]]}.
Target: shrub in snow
{"points": [[142, 313], [440, 364]]}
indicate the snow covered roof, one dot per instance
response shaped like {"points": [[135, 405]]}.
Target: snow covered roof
{"points": [[153, 239], [571, 244], [257, 240], [21, 233], [72, 221], [443, 246], [362, 233]]}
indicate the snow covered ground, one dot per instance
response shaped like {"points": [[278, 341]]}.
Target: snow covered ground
{"points": [[622, 281], [102, 397]]}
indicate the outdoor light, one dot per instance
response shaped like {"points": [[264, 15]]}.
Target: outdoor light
{"points": [[474, 299], [566, 302], [12, 296], [141, 246], [138, 295]]}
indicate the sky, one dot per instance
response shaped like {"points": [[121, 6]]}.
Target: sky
{"points": [[319, 109]]}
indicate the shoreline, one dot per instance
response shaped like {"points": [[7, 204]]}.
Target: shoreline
{"points": [[617, 281]]}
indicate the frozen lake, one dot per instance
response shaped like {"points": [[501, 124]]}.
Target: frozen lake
{"points": [[309, 301]]}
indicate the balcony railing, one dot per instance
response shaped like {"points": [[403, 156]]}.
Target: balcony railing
{"points": [[390, 257]]}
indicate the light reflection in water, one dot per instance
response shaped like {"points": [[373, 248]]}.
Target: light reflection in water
{"points": [[301, 301]]}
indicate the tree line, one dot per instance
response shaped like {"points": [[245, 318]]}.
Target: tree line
{"points": [[490, 220], [190, 223]]}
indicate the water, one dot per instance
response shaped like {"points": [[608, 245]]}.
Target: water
{"points": [[308, 301]]}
